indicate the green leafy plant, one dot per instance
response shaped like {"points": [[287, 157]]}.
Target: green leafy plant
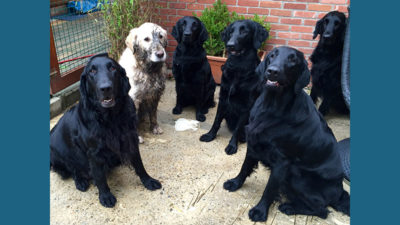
{"points": [[215, 20], [121, 16]]}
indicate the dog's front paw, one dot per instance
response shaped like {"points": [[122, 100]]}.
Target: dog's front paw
{"points": [[81, 184], [231, 149], [232, 184], [258, 214], [157, 130], [177, 110], [287, 209], [200, 117], [151, 184], [107, 199], [207, 137]]}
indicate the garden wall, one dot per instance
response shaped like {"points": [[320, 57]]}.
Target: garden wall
{"points": [[292, 21]]}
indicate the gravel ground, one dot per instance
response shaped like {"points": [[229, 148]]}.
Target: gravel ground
{"points": [[192, 174]]}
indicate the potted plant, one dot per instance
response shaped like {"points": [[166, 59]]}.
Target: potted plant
{"points": [[215, 19]]}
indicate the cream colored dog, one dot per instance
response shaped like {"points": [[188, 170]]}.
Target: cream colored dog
{"points": [[144, 63]]}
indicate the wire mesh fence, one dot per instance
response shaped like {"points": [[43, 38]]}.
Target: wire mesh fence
{"points": [[78, 30]]}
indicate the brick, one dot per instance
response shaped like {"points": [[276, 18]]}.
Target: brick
{"points": [[268, 47], [168, 11], [205, 1], [307, 51], [188, 1], [177, 5], [195, 6], [259, 11], [163, 4], [314, 44], [337, 2], [341, 8], [237, 9], [310, 22], [270, 4], [304, 14], [174, 18], [185, 13], [279, 12], [248, 2], [289, 35], [294, 6], [272, 34], [299, 43], [302, 29], [277, 41], [229, 2], [307, 37], [272, 19], [170, 48], [307, 0], [318, 7], [279, 27], [172, 42], [290, 21]]}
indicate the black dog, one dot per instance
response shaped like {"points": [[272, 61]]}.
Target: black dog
{"points": [[240, 84], [194, 83], [100, 132], [288, 135], [327, 63]]}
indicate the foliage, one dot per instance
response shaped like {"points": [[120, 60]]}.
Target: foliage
{"points": [[121, 16], [215, 20]]}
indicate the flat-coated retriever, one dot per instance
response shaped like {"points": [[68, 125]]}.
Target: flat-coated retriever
{"points": [[99, 133], [240, 83], [194, 83], [289, 136], [327, 63]]}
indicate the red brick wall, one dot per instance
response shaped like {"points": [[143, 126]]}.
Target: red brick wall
{"points": [[292, 21]]}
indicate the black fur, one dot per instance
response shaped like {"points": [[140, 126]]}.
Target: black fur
{"points": [[194, 83], [327, 63], [240, 83], [99, 133], [288, 135]]}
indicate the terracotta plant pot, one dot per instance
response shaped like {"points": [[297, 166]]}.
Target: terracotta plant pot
{"points": [[216, 63]]}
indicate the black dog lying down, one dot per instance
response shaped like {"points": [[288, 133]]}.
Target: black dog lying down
{"points": [[100, 132], [326, 61], [240, 84], [288, 135], [194, 83]]}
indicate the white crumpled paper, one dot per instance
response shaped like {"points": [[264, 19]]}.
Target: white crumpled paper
{"points": [[184, 124]]}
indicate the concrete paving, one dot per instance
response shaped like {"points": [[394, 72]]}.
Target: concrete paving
{"points": [[192, 174]]}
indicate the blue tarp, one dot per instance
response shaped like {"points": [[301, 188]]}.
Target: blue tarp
{"points": [[83, 6]]}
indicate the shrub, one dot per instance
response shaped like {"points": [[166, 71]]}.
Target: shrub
{"points": [[121, 16], [215, 20]]}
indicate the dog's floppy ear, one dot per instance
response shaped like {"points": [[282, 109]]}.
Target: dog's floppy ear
{"points": [[203, 36], [304, 78], [177, 31], [131, 40], [260, 34], [125, 85], [225, 34], [83, 88], [164, 41], [318, 28]]}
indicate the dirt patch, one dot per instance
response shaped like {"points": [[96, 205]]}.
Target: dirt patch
{"points": [[192, 174]]}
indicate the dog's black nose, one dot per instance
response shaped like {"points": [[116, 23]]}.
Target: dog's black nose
{"points": [[272, 72], [106, 88], [160, 54]]}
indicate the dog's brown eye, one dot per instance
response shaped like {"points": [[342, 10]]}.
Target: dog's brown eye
{"points": [[160, 36], [147, 39], [112, 68], [336, 23], [272, 56], [92, 71], [326, 21]]}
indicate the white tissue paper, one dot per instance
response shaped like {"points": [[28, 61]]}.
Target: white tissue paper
{"points": [[184, 124]]}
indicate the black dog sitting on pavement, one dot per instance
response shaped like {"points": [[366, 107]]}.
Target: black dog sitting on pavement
{"points": [[194, 83], [287, 134], [99, 133], [326, 61], [240, 83]]}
